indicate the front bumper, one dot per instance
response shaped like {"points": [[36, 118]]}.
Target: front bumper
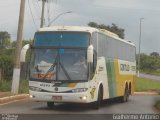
{"points": [[65, 97]]}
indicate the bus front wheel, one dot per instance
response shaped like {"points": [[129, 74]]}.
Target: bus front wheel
{"points": [[96, 104], [50, 104]]}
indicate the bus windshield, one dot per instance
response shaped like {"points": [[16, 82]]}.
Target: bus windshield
{"points": [[65, 39], [58, 64]]}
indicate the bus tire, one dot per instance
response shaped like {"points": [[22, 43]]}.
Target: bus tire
{"points": [[130, 89], [126, 95], [50, 104], [96, 104]]}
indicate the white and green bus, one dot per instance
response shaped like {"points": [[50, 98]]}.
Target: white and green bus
{"points": [[78, 64]]}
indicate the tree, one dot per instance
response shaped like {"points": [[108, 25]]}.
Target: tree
{"points": [[149, 63], [154, 54], [7, 60], [93, 24], [5, 39], [24, 42], [113, 28], [6, 64]]}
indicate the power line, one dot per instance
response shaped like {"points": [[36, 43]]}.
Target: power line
{"points": [[43, 12], [38, 4], [32, 15], [48, 12], [36, 8]]}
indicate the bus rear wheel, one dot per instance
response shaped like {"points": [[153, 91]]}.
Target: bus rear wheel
{"points": [[50, 104], [126, 95]]}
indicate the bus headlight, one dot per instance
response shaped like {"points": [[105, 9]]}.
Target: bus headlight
{"points": [[79, 90], [84, 98], [35, 89], [31, 96]]}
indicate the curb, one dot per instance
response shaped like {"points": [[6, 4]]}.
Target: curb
{"points": [[146, 93], [13, 98]]}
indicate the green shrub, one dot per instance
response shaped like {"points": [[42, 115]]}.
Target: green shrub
{"points": [[6, 66], [5, 86]]}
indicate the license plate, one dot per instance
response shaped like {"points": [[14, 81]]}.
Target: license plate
{"points": [[57, 97]]}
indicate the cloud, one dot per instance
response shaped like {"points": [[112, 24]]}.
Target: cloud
{"points": [[130, 4], [117, 3], [124, 13]]}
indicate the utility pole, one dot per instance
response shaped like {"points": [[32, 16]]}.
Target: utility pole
{"points": [[140, 29], [16, 70], [42, 15]]}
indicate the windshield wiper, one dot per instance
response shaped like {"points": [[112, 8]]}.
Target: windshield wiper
{"points": [[51, 68], [63, 68], [57, 62], [65, 72]]}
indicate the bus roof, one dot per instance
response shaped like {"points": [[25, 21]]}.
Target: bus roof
{"points": [[69, 28], [116, 37], [84, 29]]}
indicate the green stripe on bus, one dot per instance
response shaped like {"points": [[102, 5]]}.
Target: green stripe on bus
{"points": [[111, 78]]}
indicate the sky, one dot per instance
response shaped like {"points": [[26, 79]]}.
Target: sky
{"points": [[124, 13]]}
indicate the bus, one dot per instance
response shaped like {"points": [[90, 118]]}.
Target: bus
{"points": [[78, 64]]}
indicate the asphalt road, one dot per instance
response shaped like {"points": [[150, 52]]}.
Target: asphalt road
{"points": [[152, 77], [38, 110]]}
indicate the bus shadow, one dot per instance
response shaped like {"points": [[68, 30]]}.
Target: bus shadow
{"points": [[67, 107], [76, 107], [110, 102]]}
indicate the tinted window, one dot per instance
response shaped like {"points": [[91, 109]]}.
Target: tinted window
{"points": [[73, 39]]}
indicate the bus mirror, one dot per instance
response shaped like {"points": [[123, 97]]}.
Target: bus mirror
{"points": [[23, 52], [90, 54]]}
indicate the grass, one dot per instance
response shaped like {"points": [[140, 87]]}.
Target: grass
{"points": [[151, 72], [5, 86], [147, 85], [23, 88], [157, 105]]}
